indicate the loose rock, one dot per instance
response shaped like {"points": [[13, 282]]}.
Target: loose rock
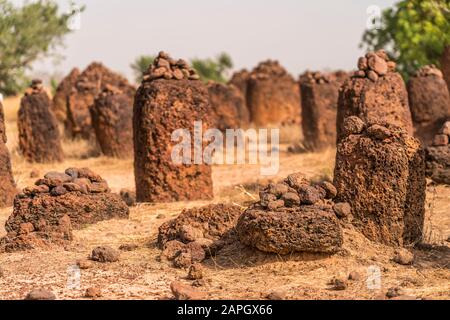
{"points": [[403, 257], [185, 292], [40, 294], [105, 254]]}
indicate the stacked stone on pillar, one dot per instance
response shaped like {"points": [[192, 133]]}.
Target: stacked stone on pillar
{"points": [[39, 138], [429, 101], [170, 98], [445, 65], [376, 92]]}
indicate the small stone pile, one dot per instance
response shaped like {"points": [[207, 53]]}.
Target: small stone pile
{"points": [[380, 171], [320, 94], [375, 65], [294, 216], [7, 184], [273, 96], [161, 107], [429, 100], [198, 233], [59, 202], [228, 106], [63, 91], [88, 85], [438, 156], [112, 119], [375, 93], [39, 139], [164, 67]]}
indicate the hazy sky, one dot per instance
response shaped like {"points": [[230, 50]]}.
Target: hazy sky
{"points": [[302, 35]]}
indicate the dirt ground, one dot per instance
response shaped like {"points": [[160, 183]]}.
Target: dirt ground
{"points": [[238, 272]]}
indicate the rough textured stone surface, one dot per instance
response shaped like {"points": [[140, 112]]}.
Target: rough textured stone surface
{"points": [[445, 65], [273, 96], [39, 139], [212, 222], [228, 107], [42, 216], [63, 91], [161, 107], [89, 84], [383, 178], [312, 229], [129, 197], [197, 233], [403, 257], [240, 80], [303, 221], [7, 184], [438, 157], [429, 100], [112, 119], [320, 93], [382, 101]]}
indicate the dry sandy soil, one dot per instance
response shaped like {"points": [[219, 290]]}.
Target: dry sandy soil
{"points": [[238, 272]]}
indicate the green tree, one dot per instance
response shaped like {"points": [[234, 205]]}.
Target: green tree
{"points": [[213, 69], [27, 33], [140, 66], [413, 32]]}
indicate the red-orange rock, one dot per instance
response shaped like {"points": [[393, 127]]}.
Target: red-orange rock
{"points": [[39, 139], [381, 174], [429, 100], [273, 96], [7, 184], [228, 107], [46, 213], [63, 91], [240, 80], [382, 101], [162, 106], [320, 93], [112, 119]]}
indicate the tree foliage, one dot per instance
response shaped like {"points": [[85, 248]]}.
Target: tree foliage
{"points": [[413, 32], [28, 32], [213, 69]]}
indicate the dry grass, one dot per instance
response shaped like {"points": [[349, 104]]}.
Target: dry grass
{"points": [[238, 273]]}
